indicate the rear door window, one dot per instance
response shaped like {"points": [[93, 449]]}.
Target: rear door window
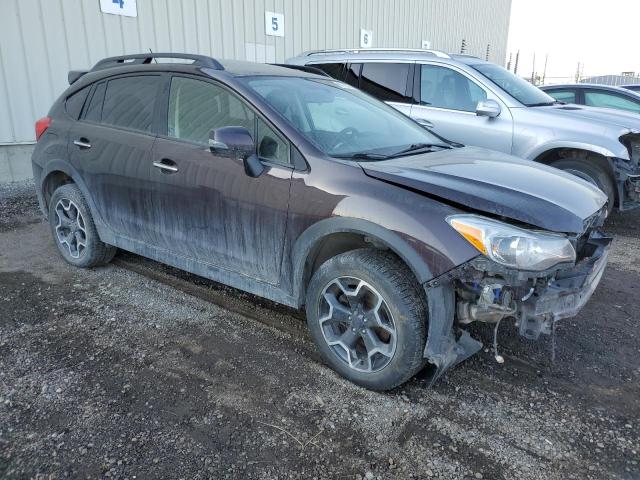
{"points": [[443, 87], [601, 98], [565, 95], [386, 81], [75, 102], [129, 102]]}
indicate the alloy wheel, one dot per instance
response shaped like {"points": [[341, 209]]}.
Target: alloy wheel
{"points": [[357, 324], [70, 227]]}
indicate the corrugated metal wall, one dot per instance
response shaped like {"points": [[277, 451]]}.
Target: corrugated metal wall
{"points": [[41, 40]]}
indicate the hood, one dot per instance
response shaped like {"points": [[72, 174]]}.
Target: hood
{"points": [[617, 118], [496, 183]]}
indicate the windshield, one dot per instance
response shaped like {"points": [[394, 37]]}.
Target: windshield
{"points": [[515, 86], [340, 120]]}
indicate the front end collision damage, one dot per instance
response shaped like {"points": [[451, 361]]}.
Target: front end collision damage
{"points": [[483, 291], [627, 173]]}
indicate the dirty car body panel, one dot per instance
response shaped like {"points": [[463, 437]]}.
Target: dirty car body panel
{"points": [[181, 204]]}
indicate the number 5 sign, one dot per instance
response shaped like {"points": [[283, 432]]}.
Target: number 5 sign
{"points": [[274, 24]]}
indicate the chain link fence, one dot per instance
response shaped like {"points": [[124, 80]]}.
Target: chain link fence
{"points": [[610, 80]]}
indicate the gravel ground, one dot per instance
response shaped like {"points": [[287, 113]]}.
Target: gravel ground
{"points": [[109, 373]]}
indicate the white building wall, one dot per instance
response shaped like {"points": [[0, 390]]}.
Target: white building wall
{"points": [[41, 40]]}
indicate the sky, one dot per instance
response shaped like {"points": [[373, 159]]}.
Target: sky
{"points": [[601, 34]]}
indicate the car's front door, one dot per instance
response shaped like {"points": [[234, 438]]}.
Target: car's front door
{"points": [[447, 105], [565, 95], [110, 146], [207, 208]]}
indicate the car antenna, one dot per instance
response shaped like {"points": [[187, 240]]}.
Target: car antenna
{"points": [[154, 59]]}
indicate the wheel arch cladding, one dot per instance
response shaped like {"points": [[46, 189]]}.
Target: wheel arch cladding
{"points": [[333, 236], [62, 171]]}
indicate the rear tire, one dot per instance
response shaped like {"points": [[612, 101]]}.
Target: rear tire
{"points": [[73, 229], [592, 172], [367, 315]]}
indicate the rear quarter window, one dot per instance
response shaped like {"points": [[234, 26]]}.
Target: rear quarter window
{"points": [[74, 103], [129, 102], [93, 110]]}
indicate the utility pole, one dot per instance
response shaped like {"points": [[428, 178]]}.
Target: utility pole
{"points": [[486, 57], [533, 70], [509, 62], [578, 73], [544, 72], [463, 46], [515, 68]]}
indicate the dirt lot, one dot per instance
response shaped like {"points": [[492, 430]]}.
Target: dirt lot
{"points": [[114, 373]]}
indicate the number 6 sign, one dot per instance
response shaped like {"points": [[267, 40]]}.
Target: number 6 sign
{"points": [[366, 38], [274, 24]]}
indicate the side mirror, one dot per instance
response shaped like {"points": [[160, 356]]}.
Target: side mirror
{"points": [[236, 142], [488, 108], [231, 142]]}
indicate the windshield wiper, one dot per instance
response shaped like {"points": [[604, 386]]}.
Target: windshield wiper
{"points": [[541, 104], [363, 156], [418, 146]]}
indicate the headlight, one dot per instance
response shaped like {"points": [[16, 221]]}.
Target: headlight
{"points": [[512, 246]]}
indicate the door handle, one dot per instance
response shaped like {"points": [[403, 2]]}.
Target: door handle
{"points": [[82, 143], [165, 166], [424, 122]]}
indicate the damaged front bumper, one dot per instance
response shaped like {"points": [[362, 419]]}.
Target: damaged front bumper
{"points": [[627, 175], [483, 291]]}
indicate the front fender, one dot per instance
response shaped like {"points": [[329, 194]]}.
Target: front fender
{"points": [[320, 230], [608, 151]]}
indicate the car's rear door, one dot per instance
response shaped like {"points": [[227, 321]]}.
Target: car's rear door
{"points": [[447, 100], [110, 146], [596, 97], [206, 207]]}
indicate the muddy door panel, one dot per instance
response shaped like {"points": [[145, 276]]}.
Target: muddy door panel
{"points": [[208, 209], [114, 164]]}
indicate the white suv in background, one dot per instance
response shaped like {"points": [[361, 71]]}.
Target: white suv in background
{"points": [[474, 102]]}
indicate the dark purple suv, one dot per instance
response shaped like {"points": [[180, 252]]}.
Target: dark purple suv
{"points": [[306, 191]]}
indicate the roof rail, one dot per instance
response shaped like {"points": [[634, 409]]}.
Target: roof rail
{"points": [[146, 58], [436, 53]]}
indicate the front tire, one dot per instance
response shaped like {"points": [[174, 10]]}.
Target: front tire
{"points": [[593, 173], [74, 231], [367, 316]]}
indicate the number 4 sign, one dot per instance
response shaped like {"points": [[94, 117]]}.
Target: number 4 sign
{"points": [[274, 24], [128, 8]]}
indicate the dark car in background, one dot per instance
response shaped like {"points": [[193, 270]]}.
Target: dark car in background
{"points": [[633, 88], [593, 95], [306, 191]]}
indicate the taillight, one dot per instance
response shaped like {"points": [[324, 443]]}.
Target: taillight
{"points": [[41, 126]]}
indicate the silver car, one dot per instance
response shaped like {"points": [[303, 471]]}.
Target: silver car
{"points": [[473, 102]]}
